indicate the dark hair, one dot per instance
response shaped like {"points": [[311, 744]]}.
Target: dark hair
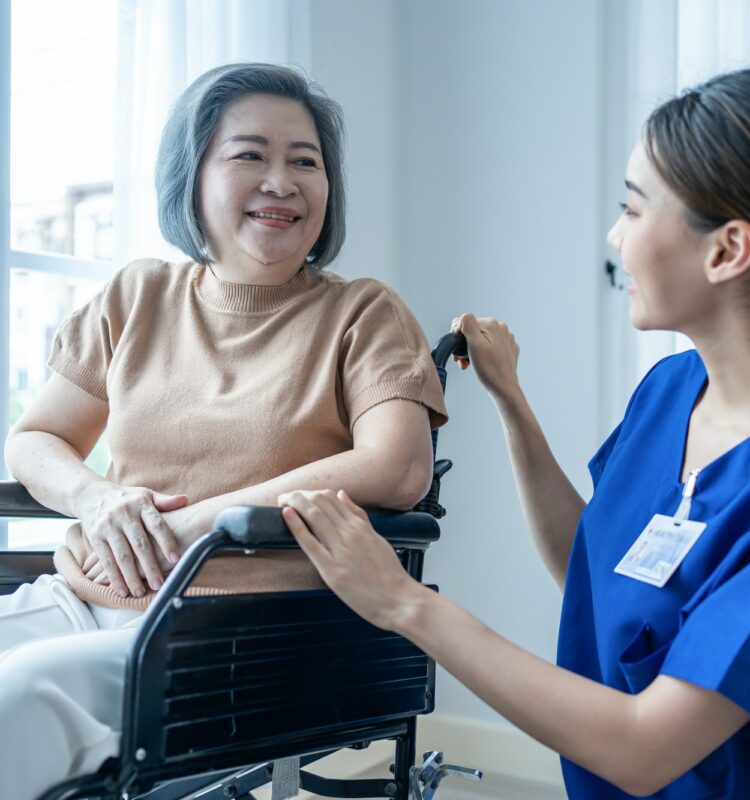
{"points": [[699, 142], [188, 130]]}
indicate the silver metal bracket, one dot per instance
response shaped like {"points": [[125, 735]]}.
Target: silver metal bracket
{"points": [[424, 780]]}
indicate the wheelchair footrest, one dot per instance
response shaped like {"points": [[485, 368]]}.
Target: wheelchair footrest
{"points": [[424, 780]]}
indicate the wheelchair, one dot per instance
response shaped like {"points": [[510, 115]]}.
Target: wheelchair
{"points": [[224, 694]]}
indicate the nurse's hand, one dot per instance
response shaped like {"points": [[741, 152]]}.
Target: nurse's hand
{"points": [[352, 559], [492, 350]]}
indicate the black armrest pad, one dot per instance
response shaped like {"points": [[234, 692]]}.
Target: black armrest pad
{"points": [[264, 527], [15, 501]]}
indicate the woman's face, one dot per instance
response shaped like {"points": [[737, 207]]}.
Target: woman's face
{"points": [[263, 190], [663, 256]]}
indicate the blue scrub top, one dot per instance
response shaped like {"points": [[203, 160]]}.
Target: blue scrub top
{"points": [[623, 632]]}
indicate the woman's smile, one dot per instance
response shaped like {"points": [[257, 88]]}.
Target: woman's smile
{"points": [[273, 217]]}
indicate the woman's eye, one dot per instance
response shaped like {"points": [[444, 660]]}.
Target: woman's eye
{"points": [[627, 210], [306, 162], [249, 156]]}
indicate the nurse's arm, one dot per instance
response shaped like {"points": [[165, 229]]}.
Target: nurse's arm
{"points": [[550, 502], [639, 742]]}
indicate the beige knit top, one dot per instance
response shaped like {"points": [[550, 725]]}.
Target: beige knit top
{"points": [[216, 386]]}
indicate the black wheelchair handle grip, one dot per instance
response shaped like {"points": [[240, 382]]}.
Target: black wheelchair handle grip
{"points": [[263, 527], [452, 344]]}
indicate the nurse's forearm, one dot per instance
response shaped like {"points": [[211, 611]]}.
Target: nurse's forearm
{"points": [[550, 502], [637, 742]]}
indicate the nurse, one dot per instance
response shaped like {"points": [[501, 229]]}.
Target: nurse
{"points": [[651, 692]]}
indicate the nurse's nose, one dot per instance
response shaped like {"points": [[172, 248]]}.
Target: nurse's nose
{"points": [[614, 237]]}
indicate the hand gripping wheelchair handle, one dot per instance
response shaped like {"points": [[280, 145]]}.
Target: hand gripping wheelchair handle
{"points": [[451, 344]]}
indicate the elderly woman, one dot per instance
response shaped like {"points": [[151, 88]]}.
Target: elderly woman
{"points": [[243, 373], [651, 693]]}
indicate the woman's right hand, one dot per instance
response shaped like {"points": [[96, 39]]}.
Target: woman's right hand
{"points": [[492, 350], [122, 524]]}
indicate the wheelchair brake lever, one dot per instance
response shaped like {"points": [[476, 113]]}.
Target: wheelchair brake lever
{"points": [[424, 780]]}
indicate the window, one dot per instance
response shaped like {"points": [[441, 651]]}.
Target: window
{"points": [[62, 88]]}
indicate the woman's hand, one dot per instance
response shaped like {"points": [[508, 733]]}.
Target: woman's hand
{"points": [[353, 560], [122, 524], [492, 350]]}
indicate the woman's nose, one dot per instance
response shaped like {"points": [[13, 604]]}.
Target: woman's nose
{"points": [[277, 181]]}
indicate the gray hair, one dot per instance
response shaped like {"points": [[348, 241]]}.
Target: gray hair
{"points": [[190, 126]]}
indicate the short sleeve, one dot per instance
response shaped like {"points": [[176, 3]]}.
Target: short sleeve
{"points": [[85, 342], [600, 458], [712, 647], [384, 356]]}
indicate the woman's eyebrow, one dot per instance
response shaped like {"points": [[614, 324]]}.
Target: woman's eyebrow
{"points": [[251, 137], [247, 137], [633, 188]]}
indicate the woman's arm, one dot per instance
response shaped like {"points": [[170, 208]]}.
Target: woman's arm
{"points": [[637, 742], [389, 466], [45, 452], [551, 504]]}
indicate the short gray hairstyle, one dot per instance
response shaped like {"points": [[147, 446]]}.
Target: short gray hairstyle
{"points": [[190, 126]]}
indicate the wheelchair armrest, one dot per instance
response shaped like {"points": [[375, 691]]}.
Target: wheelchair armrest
{"points": [[263, 527], [15, 501]]}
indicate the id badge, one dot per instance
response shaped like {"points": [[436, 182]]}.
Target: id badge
{"points": [[660, 549]]}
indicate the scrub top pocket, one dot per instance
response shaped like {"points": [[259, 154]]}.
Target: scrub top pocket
{"points": [[639, 662]]}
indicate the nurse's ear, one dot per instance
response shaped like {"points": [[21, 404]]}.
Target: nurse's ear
{"points": [[729, 254]]}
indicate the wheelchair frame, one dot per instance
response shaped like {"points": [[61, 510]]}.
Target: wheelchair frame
{"points": [[214, 684]]}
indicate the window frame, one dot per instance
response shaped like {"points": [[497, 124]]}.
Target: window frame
{"points": [[59, 264]]}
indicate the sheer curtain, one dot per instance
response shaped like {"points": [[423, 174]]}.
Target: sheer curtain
{"points": [[163, 46], [666, 46]]}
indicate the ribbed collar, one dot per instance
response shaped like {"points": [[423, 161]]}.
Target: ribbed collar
{"points": [[246, 297]]}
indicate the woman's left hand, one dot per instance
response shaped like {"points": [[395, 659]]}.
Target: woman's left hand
{"points": [[353, 560], [181, 522]]}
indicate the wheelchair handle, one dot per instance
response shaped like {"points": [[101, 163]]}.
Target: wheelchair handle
{"points": [[452, 344]]}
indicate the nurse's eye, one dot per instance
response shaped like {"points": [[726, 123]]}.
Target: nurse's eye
{"points": [[627, 210], [306, 162]]}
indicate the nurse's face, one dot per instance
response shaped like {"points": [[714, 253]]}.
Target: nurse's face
{"points": [[661, 254]]}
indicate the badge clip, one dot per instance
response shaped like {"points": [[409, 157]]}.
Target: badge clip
{"points": [[683, 510]]}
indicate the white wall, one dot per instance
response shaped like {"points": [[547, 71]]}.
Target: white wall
{"points": [[474, 172], [354, 56]]}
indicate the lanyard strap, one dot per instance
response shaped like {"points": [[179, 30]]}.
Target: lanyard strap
{"points": [[683, 510]]}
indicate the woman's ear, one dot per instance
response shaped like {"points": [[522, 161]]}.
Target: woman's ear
{"points": [[729, 256]]}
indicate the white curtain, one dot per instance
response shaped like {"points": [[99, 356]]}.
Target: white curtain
{"points": [[163, 46], [669, 45]]}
